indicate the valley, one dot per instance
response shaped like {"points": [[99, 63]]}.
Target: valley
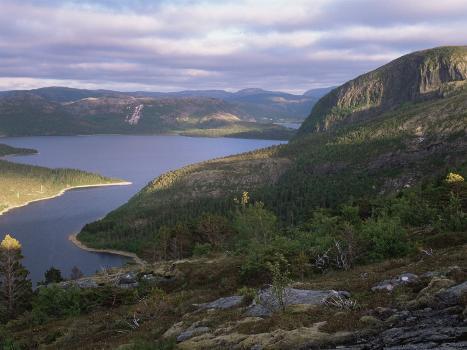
{"points": [[353, 235]]}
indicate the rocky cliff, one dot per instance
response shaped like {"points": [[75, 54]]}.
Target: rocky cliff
{"points": [[412, 78]]}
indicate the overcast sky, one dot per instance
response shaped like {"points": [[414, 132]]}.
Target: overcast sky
{"points": [[290, 45]]}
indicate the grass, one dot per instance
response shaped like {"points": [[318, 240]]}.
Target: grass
{"points": [[107, 327]]}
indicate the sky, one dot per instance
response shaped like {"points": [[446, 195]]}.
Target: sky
{"points": [[287, 45]]}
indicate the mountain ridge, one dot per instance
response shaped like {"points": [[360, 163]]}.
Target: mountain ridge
{"points": [[65, 111], [411, 78], [362, 159]]}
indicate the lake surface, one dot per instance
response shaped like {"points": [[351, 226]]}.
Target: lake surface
{"points": [[44, 227]]}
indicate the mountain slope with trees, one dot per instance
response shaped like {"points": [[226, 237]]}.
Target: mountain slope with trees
{"points": [[360, 230], [378, 155]]}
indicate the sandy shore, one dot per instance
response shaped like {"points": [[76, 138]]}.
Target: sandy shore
{"points": [[123, 183], [73, 238]]}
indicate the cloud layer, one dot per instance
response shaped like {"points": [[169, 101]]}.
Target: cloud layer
{"points": [[288, 45]]}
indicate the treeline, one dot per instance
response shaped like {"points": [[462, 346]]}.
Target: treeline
{"points": [[6, 150], [357, 231], [20, 183]]}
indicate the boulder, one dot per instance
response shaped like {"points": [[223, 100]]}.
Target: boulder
{"points": [[390, 285], [192, 332], [266, 302], [453, 295], [222, 303], [128, 280], [370, 321], [174, 331], [436, 285]]}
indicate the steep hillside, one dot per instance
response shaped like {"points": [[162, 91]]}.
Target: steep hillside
{"points": [[416, 77], [361, 160]]}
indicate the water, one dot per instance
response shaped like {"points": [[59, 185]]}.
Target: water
{"points": [[44, 227]]}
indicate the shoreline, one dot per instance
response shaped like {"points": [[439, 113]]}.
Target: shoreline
{"points": [[60, 193], [74, 239]]}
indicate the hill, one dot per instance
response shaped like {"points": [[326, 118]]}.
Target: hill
{"points": [[416, 77], [65, 111], [366, 157]]}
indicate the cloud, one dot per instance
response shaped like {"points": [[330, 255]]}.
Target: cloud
{"points": [[187, 44]]}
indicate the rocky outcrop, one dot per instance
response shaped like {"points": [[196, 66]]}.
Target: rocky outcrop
{"points": [[444, 329], [267, 302], [222, 303], [390, 285], [418, 76]]}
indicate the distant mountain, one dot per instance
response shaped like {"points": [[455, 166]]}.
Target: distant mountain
{"points": [[319, 92], [62, 110]]}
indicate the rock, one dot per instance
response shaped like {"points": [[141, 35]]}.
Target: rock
{"points": [[384, 312], [222, 303], [453, 295], [82, 283], [174, 331], [190, 333], [311, 337], [86, 283], [435, 285], [370, 320], [389, 285], [128, 278], [420, 330], [266, 302], [456, 273]]}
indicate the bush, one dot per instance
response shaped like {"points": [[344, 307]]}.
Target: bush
{"points": [[202, 249], [384, 237], [55, 302]]}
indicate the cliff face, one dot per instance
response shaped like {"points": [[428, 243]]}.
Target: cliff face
{"points": [[415, 77]]}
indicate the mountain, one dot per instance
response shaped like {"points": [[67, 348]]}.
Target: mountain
{"points": [[373, 150], [412, 78], [351, 236], [65, 111], [30, 113]]}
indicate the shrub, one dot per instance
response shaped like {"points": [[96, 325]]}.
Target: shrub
{"points": [[249, 294], [202, 249], [453, 178], [55, 302], [384, 237]]}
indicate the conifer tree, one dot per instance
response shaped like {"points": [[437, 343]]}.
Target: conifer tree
{"points": [[15, 287]]}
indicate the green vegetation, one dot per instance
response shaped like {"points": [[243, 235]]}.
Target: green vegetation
{"points": [[21, 184], [62, 111], [6, 150], [15, 287], [349, 203], [322, 170]]}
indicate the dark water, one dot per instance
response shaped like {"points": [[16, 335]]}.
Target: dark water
{"points": [[43, 227]]}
